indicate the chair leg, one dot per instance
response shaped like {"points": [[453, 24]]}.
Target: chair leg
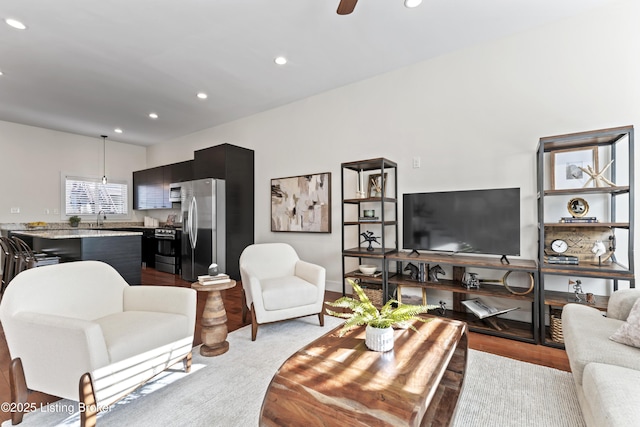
{"points": [[19, 390], [321, 318], [88, 406], [186, 362], [244, 307], [254, 324]]}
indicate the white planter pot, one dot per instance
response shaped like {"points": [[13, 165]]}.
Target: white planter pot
{"points": [[378, 339]]}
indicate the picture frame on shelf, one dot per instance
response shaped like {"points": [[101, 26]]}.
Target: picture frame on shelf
{"points": [[569, 168], [301, 203], [376, 185]]}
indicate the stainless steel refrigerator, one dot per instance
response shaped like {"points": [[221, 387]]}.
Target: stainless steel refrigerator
{"points": [[203, 226]]}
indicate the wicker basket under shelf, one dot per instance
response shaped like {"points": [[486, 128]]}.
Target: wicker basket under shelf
{"points": [[375, 295], [555, 324]]}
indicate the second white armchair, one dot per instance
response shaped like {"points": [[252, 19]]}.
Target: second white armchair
{"points": [[278, 285]]}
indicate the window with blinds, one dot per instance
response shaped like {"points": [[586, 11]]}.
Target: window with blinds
{"points": [[88, 196]]}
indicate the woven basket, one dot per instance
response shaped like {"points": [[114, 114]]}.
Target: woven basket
{"points": [[375, 295], [555, 325]]}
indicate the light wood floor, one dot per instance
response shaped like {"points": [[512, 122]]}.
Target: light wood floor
{"points": [[531, 353]]}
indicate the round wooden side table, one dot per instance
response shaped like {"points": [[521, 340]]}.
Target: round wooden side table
{"points": [[214, 319]]}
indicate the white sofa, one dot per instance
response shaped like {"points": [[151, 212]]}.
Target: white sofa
{"points": [[77, 330], [606, 373]]}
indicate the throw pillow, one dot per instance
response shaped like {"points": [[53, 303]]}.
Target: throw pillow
{"points": [[629, 332]]}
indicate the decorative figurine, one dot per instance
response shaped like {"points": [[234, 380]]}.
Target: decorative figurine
{"points": [[443, 308], [471, 281], [596, 177], [413, 271], [369, 237], [591, 299], [434, 271], [577, 289], [213, 270], [598, 250]]}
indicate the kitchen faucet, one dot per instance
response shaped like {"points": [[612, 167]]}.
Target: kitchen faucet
{"points": [[104, 216]]}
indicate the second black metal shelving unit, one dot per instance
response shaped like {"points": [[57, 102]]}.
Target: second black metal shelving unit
{"points": [[370, 185]]}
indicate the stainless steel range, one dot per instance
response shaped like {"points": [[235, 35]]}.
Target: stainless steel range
{"points": [[168, 249]]}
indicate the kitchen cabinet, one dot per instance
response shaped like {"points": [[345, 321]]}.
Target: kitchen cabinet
{"points": [[148, 189], [149, 244], [236, 166], [120, 249], [151, 186], [179, 172]]}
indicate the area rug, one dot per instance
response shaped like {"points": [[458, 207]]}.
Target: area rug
{"points": [[227, 390]]}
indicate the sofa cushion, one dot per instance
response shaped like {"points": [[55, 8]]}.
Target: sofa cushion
{"points": [[133, 332], [611, 392], [629, 332], [287, 292], [621, 302], [586, 338]]}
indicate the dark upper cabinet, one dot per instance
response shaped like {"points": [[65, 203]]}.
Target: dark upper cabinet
{"points": [[148, 189], [151, 186], [180, 172], [236, 166]]}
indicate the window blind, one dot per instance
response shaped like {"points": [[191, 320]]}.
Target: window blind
{"points": [[88, 196]]}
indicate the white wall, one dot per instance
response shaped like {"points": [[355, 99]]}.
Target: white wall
{"points": [[473, 116], [32, 160]]}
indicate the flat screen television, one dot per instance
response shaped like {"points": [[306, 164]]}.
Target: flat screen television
{"points": [[472, 221]]}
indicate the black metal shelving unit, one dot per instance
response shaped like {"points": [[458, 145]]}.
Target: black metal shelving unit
{"points": [[616, 145], [353, 204]]}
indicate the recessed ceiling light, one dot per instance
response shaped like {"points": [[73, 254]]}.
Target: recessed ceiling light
{"points": [[1, 73], [412, 3], [15, 24], [202, 95], [117, 130], [153, 115], [280, 60]]}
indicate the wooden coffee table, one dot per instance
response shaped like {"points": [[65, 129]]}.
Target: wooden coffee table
{"points": [[338, 381], [214, 319]]}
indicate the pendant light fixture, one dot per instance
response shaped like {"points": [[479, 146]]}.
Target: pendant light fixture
{"points": [[104, 159]]}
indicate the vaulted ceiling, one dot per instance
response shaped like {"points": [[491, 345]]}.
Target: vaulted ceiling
{"points": [[91, 66]]}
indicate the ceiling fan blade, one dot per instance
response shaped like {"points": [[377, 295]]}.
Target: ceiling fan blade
{"points": [[346, 6]]}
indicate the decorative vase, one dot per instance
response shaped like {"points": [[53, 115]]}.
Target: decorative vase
{"points": [[379, 339]]}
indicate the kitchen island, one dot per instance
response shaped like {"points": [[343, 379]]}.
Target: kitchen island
{"points": [[120, 249]]}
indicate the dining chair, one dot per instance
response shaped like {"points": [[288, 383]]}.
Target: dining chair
{"points": [[25, 257], [8, 261]]}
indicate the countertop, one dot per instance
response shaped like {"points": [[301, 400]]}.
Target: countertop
{"points": [[76, 234]]}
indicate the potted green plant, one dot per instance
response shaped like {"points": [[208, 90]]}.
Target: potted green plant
{"points": [[74, 220], [379, 323]]}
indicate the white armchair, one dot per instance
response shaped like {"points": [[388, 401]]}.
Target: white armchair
{"points": [[277, 285], [77, 330]]}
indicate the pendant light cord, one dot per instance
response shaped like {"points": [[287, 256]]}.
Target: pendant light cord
{"points": [[104, 159]]}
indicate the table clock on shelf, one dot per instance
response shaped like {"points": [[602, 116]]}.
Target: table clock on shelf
{"points": [[579, 245]]}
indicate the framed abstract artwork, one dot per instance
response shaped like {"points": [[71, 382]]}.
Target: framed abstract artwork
{"points": [[301, 203]]}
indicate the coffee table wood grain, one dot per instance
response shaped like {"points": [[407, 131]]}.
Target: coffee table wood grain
{"points": [[338, 381]]}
